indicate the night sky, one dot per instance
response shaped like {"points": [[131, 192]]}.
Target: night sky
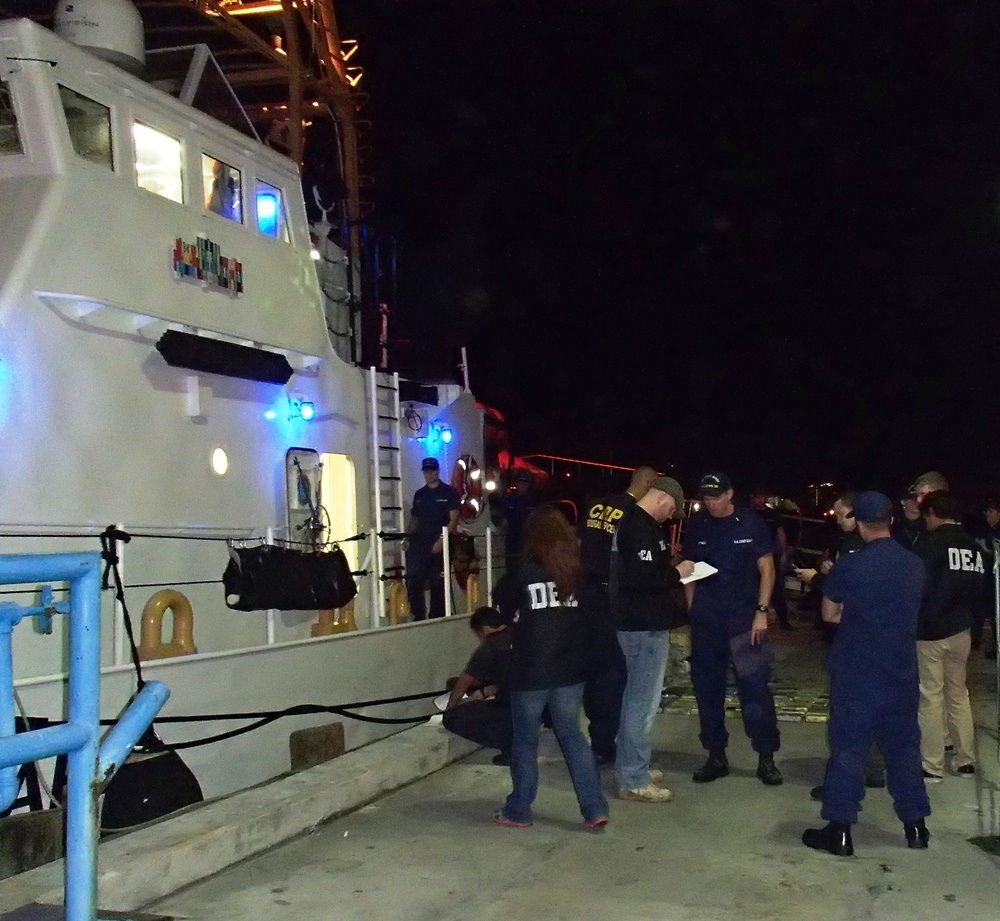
{"points": [[761, 236]]}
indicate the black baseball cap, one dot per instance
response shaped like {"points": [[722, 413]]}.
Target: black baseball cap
{"points": [[714, 484], [430, 463]]}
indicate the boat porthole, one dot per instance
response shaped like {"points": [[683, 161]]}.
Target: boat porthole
{"points": [[220, 461]]}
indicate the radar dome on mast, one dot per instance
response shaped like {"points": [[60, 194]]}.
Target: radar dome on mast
{"points": [[109, 29]]}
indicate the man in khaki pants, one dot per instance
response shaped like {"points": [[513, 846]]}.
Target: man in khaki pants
{"points": [[953, 592]]}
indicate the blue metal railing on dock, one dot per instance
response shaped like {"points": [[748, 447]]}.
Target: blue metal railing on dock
{"points": [[90, 763]]}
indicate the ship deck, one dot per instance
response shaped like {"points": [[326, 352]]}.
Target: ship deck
{"points": [[726, 850]]}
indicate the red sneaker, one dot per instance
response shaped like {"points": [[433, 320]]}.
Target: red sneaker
{"points": [[599, 822], [500, 819]]}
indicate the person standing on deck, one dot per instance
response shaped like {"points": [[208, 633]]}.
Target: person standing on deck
{"points": [[548, 664], [646, 605], [776, 528], [435, 506], [953, 595], [923, 485], [729, 625], [606, 674], [906, 528], [850, 541], [983, 624], [517, 505], [873, 595]]}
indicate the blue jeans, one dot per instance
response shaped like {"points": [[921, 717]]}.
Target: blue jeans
{"points": [[526, 714], [646, 659]]}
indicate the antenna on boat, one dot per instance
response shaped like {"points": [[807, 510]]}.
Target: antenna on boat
{"points": [[109, 29], [465, 368]]}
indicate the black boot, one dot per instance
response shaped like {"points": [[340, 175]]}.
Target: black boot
{"points": [[715, 767], [835, 838], [816, 793], [917, 834], [768, 772]]}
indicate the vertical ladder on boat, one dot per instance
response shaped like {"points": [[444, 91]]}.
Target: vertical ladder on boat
{"points": [[387, 484]]}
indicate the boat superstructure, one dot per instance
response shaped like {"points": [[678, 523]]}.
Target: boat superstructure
{"points": [[175, 360]]}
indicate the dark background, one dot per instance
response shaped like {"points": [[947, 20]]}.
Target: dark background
{"points": [[757, 236]]}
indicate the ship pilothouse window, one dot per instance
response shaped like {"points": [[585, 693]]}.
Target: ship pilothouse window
{"points": [[10, 140], [271, 211], [223, 188], [158, 162], [89, 127]]}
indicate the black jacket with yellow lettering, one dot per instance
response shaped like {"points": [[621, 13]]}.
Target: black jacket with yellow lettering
{"points": [[643, 578], [956, 581], [597, 528]]}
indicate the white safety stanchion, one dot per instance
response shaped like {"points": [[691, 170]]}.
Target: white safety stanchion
{"points": [[489, 566], [446, 567]]}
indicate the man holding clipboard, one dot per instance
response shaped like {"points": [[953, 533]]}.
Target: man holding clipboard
{"points": [[642, 582], [729, 624]]}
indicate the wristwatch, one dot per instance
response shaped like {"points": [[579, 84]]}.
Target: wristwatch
{"points": [[762, 608]]}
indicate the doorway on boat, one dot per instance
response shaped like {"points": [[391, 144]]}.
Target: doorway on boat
{"points": [[321, 500]]}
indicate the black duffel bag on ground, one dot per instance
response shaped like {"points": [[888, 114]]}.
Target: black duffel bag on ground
{"points": [[265, 577]]}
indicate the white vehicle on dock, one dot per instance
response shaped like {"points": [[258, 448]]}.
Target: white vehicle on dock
{"points": [[167, 367]]}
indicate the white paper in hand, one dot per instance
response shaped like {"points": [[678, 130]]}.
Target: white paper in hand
{"points": [[701, 571], [441, 701]]}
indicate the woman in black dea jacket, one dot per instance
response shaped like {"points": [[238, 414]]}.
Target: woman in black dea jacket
{"points": [[548, 661]]}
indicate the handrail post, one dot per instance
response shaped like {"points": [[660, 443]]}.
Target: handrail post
{"points": [[446, 569], [79, 738]]}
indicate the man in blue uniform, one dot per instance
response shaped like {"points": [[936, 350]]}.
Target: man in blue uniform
{"points": [[729, 624], [435, 505], [873, 595]]}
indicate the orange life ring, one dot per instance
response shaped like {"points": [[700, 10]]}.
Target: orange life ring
{"points": [[467, 478]]}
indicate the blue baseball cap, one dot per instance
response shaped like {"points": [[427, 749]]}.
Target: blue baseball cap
{"points": [[872, 507]]}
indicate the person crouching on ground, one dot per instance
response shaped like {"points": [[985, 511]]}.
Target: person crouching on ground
{"points": [[548, 666], [646, 605], [479, 705]]}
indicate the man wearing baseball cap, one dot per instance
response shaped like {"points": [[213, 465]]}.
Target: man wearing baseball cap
{"points": [[642, 582], [908, 527], [874, 596], [729, 625], [435, 506]]}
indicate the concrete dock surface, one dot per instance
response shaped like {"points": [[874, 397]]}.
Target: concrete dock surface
{"points": [[725, 851]]}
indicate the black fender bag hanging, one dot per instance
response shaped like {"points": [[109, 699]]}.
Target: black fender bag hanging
{"points": [[147, 786], [265, 577]]}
